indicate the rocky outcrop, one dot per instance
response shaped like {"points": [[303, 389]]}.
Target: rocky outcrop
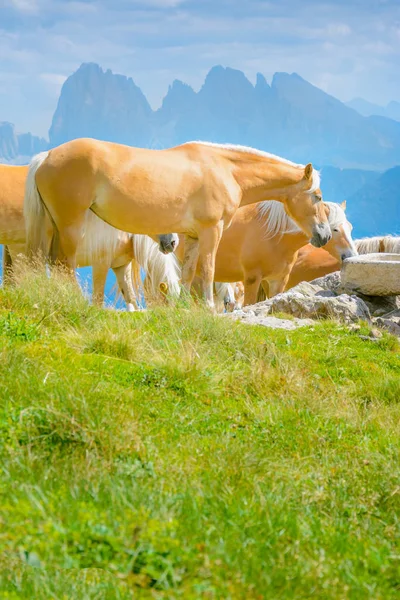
{"points": [[313, 301], [100, 104], [322, 298], [18, 148], [8, 141], [29, 145]]}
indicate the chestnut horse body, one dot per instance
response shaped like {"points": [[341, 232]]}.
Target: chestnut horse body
{"points": [[101, 246], [261, 246], [193, 189]]}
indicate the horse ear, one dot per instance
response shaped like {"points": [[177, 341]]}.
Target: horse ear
{"points": [[343, 205], [163, 287], [308, 171]]}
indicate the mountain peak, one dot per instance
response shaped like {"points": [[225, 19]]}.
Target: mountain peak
{"points": [[225, 75], [282, 77], [179, 97], [97, 103], [261, 82]]}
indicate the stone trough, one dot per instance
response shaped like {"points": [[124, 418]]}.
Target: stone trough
{"points": [[372, 274]]}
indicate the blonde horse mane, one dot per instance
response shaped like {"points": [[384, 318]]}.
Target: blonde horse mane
{"points": [[100, 242], [386, 243], [159, 268], [277, 222], [316, 181]]}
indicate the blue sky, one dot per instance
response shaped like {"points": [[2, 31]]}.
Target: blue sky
{"points": [[348, 48]]}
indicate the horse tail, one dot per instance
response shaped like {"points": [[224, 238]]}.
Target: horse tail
{"points": [[136, 277], [35, 211], [162, 270]]}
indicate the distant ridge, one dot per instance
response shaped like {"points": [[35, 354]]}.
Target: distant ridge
{"points": [[289, 117], [368, 109], [17, 148]]}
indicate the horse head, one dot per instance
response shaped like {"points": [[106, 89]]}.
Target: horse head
{"points": [[341, 246], [306, 208]]}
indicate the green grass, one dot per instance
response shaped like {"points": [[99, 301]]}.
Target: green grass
{"points": [[174, 454]]}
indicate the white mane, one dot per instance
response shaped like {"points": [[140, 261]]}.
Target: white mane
{"points": [[278, 222], [159, 268], [316, 181], [386, 243]]}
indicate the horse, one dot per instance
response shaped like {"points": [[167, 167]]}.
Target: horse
{"points": [[193, 189], [101, 246], [261, 245], [313, 263]]}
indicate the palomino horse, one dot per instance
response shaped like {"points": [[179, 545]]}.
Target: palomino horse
{"points": [[313, 262], [194, 189], [261, 246], [101, 246]]}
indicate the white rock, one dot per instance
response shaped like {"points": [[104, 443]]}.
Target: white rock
{"points": [[271, 322], [372, 274]]}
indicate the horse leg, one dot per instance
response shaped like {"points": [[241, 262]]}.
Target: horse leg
{"points": [[251, 285], [69, 239], [124, 279], [277, 286], [99, 276], [7, 266], [189, 262], [208, 245]]}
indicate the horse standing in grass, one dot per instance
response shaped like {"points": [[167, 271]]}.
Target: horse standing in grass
{"points": [[313, 262], [261, 245], [194, 189], [101, 246]]}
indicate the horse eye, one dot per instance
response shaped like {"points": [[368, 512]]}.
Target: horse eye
{"points": [[318, 198], [335, 230]]}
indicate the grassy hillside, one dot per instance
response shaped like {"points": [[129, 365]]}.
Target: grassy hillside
{"points": [[173, 454]]}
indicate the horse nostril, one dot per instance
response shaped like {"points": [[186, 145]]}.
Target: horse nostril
{"points": [[173, 244]]}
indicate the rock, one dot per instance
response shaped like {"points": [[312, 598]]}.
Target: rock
{"points": [[391, 325], [375, 333], [324, 298], [314, 300], [331, 282], [377, 305], [380, 305], [368, 338], [372, 274], [344, 308], [272, 322]]}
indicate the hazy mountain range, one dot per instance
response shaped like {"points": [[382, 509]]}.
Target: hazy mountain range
{"points": [[17, 148], [290, 117], [367, 109], [359, 141]]}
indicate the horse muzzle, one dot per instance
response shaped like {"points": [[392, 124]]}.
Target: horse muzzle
{"points": [[321, 235], [348, 253], [168, 244], [229, 304]]}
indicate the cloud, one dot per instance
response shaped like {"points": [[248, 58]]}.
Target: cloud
{"points": [[25, 6]]}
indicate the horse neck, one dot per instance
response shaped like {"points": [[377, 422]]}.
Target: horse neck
{"points": [[294, 241], [262, 178]]}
